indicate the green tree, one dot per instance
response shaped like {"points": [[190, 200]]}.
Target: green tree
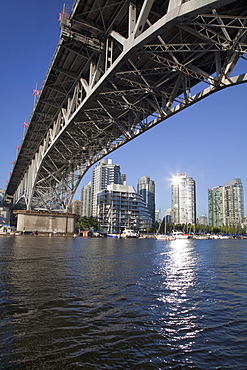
{"points": [[86, 223], [216, 230]]}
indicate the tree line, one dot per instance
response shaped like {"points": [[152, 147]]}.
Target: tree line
{"points": [[197, 229], [91, 223]]}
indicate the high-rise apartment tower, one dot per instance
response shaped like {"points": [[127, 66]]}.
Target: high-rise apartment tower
{"points": [[105, 173], [86, 209], [183, 199], [226, 204]]}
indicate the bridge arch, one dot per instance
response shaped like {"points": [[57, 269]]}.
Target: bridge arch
{"points": [[131, 81]]}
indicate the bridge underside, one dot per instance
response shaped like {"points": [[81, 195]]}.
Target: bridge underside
{"points": [[119, 69]]}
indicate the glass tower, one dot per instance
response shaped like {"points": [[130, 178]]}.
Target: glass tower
{"points": [[183, 200], [146, 188]]}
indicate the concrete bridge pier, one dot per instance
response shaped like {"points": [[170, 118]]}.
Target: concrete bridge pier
{"points": [[45, 222]]}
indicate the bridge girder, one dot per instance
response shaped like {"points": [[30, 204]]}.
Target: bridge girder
{"points": [[119, 69]]}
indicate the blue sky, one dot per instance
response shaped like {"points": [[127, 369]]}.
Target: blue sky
{"points": [[206, 141]]}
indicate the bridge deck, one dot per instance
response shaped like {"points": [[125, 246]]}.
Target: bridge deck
{"points": [[116, 68]]}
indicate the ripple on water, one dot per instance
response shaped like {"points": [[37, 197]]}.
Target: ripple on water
{"points": [[139, 304]]}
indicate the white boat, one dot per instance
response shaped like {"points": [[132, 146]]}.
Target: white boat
{"points": [[164, 237], [224, 237], [7, 230], [128, 233], [218, 236], [214, 236], [201, 237], [180, 235]]}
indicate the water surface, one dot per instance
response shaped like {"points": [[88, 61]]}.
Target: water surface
{"points": [[69, 303]]}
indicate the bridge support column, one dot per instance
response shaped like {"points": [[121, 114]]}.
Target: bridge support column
{"points": [[45, 222]]}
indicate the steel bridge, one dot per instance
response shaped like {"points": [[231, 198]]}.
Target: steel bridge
{"points": [[120, 68]]}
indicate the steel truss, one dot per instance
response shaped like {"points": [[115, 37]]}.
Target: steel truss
{"points": [[119, 69]]}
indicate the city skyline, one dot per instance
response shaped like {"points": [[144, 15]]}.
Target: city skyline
{"points": [[188, 180], [206, 141], [115, 204]]}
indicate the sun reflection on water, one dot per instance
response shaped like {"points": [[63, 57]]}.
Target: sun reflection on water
{"points": [[180, 267], [178, 313]]}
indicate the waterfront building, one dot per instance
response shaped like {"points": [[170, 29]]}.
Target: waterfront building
{"points": [[86, 196], [120, 207], [183, 200], [215, 206], [104, 174], [146, 188], [233, 203], [226, 204]]}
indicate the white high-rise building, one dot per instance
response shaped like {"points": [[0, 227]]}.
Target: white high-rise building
{"points": [[183, 199], [86, 209], [105, 173]]}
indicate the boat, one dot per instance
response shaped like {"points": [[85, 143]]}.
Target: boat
{"points": [[180, 235], [164, 237], [7, 230], [99, 234], [128, 233], [214, 236], [219, 236], [224, 237], [113, 235], [201, 237]]}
